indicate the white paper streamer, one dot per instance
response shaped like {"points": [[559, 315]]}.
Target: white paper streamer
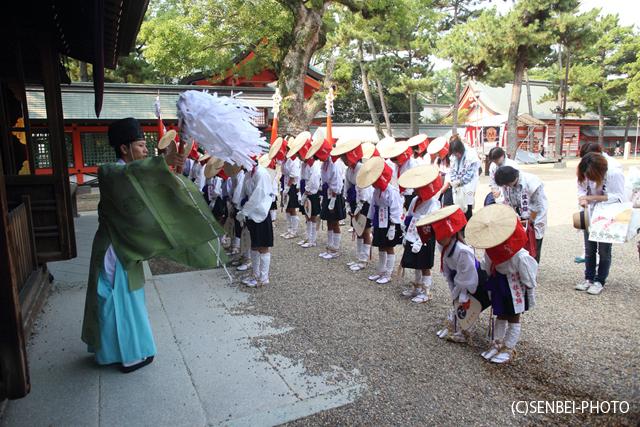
{"points": [[224, 126]]}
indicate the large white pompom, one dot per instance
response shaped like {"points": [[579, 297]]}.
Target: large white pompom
{"points": [[224, 126]]}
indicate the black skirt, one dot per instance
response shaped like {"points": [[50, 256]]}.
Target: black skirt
{"points": [[219, 208], [293, 198], [339, 212], [238, 227], [446, 199], [407, 201], [315, 204], [261, 233], [364, 211], [423, 259], [274, 205], [380, 237]]}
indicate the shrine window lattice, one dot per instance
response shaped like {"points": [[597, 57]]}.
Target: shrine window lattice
{"points": [[41, 148], [96, 150]]}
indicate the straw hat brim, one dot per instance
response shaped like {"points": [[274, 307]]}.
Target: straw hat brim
{"points": [[416, 140], [419, 176], [275, 147], [264, 160], [315, 146], [346, 147], [370, 172], [438, 215], [166, 139], [187, 147], [172, 148], [393, 150], [385, 141], [231, 170], [204, 157], [490, 226], [367, 150], [436, 145], [298, 143], [213, 167]]}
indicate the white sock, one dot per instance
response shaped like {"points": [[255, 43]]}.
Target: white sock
{"points": [[426, 281], [359, 243], [236, 242], [265, 262], [273, 215], [382, 261], [294, 223], [309, 230], [417, 274], [288, 222], [365, 253], [336, 241], [391, 259], [314, 232], [330, 238], [255, 262], [499, 330], [247, 254], [512, 336]]}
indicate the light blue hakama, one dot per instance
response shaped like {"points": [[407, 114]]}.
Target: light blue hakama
{"points": [[125, 331]]}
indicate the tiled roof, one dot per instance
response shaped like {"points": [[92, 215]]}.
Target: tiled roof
{"points": [[609, 131]]}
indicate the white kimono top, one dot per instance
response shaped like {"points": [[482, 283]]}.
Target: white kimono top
{"points": [[197, 175], [331, 174], [423, 209], [291, 169], [389, 203], [526, 196], [311, 176], [612, 186], [493, 168], [463, 262], [466, 170], [235, 188], [362, 194], [258, 188]]}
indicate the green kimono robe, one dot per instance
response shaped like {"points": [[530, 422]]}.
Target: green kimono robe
{"points": [[147, 210]]}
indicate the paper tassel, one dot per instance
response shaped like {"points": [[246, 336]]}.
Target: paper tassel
{"points": [[224, 126]]}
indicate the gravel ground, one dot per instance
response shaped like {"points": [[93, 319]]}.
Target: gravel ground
{"points": [[574, 346]]}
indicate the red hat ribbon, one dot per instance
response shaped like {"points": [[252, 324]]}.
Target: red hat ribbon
{"points": [[355, 154], [385, 178], [506, 250], [444, 150], [429, 190], [450, 225], [194, 151], [310, 161], [324, 151], [303, 150], [402, 158]]}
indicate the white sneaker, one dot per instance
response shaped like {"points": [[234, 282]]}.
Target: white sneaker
{"points": [[583, 286], [595, 289]]}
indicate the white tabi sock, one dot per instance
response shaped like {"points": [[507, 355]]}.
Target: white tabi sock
{"points": [[314, 232], [513, 335], [294, 223], [236, 242], [309, 230], [382, 262], [499, 330], [247, 254], [255, 262], [330, 238], [288, 222], [365, 253], [426, 281], [391, 259], [336, 241], [265, 262], [359, 243], [417, 274]]}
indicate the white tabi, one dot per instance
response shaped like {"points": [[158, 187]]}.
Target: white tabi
{"points": [[521, 271], [423, 209], [530, 185], [463, 262], [466, 171], [390, 205]]}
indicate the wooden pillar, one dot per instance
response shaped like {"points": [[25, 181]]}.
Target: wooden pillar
{"points": [[59, 162], [78, 161]]}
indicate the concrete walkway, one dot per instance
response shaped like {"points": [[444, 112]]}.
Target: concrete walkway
{"points": [[206, 371]]}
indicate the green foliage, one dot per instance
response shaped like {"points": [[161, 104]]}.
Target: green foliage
{"points": [[462, 117]]}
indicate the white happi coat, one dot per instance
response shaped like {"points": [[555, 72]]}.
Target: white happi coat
{"points": [[530, 183], [258, 188], [463, 261], [311, 176], [409, 164], [390, 203], [521, 271], [332, 175], [291, 169], [493, 168], [466, 170], [425, 208]]}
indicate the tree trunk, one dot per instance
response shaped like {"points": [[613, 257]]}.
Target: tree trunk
{"points": [[626, 129], [381, 93], [84, 74], [456, 101], [367, 93], [530, 131], [512, 122], [414, 120], [308, 36], [557, 133], [600, 124]]}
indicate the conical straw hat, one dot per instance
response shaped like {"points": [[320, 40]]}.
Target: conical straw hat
{"points": [[213, 167], [264, 160], [345, 147], [370, 172], [298, 143], [394, 150], [275, 147], [437, 145], [166, 139], [384, 142], [490, 226], [419, 176], [438, 215], [231, 170], [318, 140], [416, 140]]}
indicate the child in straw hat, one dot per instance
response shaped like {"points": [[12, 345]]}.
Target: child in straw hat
{"points": [[419, 247], [458, 265], [512, 274], [351, 154], [333, 210], [385, 214], [309, 186], [291, 173], [438, 150], [400, 155]]}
